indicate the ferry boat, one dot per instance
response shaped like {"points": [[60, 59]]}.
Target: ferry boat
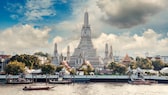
{"points": [[19, 81], [60, 81], [142, 82], [37, 88]]}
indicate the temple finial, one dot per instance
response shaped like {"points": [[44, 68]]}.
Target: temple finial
{"points": [[86, 19]]}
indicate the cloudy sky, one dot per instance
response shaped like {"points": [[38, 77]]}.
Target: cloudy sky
{"points": [[136, 27]]}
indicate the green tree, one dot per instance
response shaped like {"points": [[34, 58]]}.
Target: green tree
{"points": [[86, 67], [48, 56], [90, 68], [144, 63], [40, 54], [31, 61], [117, 68], [59, 68], [158, 64], [112, 65], [133, 65], [120, 69], [48, 68], [15, 68], [137, 58], [85, 71], [73, 71], [132, 58]]}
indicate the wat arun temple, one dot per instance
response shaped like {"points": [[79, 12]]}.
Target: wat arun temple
{"points": [[85, 50]]}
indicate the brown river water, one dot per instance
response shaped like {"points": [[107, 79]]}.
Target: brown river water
{"points": [[89, 89]]}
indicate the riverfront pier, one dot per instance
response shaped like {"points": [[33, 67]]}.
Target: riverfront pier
{"points": [[87, 78]]}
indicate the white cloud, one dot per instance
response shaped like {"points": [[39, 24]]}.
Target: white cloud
{"points": [[14, 16], [64, 1], [36, 38], [33, 10], [150, 42], [36, 9], [24, 38], [129, 13], [134, 45], [57, 39], [74, 24]]}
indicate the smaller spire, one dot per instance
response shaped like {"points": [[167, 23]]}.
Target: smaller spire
{"points": [[68, 53], [111, 52], [56, 55], [106, 50], [68, 49], [61, 57], [55, 50]]}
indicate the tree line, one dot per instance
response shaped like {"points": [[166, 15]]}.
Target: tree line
{"points": [[143, 63], [18, 63]]}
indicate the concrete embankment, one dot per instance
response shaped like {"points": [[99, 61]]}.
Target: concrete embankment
{"points": [[86, 78]]}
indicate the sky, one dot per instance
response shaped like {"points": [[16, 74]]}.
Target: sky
{"points": [[133, 27]]}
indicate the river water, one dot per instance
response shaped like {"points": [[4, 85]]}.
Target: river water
{"points": [[89, 89]]}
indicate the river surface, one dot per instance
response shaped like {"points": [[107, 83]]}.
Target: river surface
{"points": [[89, 89]]}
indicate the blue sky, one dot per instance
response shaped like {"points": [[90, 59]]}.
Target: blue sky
{"points": [[13, 12], [130, 26]]}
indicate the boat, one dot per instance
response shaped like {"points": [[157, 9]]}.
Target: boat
{"points": [[137, 78], [62, 81], [142, 82], [19, 81], [37, 88]]}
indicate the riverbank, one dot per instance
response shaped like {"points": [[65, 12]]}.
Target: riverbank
{"points": [[85, 78]]}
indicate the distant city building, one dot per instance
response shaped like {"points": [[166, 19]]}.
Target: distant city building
{"points": [[42, 59], [150, 58], [157, 57], [117, 58], [164, 59], [85, 49], [3, 61]]}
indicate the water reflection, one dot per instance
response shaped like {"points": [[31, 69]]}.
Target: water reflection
{"points": [[90, 89]]}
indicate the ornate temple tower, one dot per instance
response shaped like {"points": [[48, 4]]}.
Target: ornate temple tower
{"points": [[56, 56], [85, 49], [108, 55], [61, 58], [106, 58]]}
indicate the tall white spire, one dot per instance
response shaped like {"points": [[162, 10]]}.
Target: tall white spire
{"points": [[86, 31], [85, 48], [86, 19]]}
